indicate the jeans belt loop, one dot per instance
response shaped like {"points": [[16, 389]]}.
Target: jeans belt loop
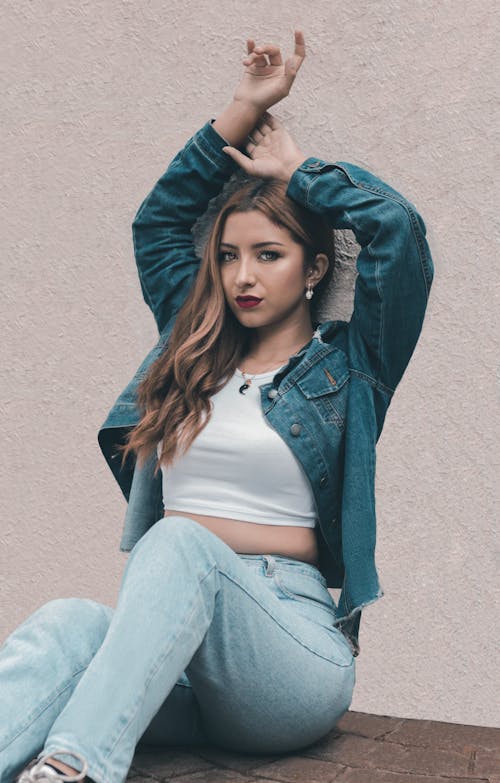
{"points": [[270, 564]]}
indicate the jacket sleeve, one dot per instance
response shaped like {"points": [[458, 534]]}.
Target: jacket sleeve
{"points": [[394, 267], [163, 242]]}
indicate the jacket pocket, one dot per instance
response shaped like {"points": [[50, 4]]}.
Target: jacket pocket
{"points": [[326, 385]]}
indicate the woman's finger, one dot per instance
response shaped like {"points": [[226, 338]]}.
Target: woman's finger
{"points": [[256, 133], [250, 45], [272, 122], [238, 156], [263, 129], [300, 46], [294, 62], [255, 59], [272, 51], [264, 122]]}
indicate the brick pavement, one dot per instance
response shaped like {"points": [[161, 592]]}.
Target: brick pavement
{"points": [[361, 749]]}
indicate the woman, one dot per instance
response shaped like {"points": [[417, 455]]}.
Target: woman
{"points": [[247, 440]]}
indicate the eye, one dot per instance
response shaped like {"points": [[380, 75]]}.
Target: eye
{"points": [[224, 253], [272, 253]]}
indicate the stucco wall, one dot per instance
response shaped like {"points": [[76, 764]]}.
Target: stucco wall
{"points": [[97, 98]]}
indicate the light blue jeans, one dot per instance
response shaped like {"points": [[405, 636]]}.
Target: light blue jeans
{"points": [[205, 646]]}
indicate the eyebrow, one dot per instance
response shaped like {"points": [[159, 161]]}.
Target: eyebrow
{"points": [[257, 244]]}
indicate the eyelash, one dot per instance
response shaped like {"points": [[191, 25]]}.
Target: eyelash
{"points": [[272, 252]]}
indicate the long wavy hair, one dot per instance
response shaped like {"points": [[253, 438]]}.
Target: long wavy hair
{"points": [[207, 342]]}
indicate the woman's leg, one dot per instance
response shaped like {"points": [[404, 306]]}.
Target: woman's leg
{"points": [[267, 677], [41, 663]]}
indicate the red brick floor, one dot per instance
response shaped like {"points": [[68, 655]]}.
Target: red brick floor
{"points": [[362, 749]]}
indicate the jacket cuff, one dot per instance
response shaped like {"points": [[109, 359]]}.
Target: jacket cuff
{"points": [[300, 181], [210, 142]]}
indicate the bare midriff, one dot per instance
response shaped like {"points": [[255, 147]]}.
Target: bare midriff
{"points": [[254, 538]]}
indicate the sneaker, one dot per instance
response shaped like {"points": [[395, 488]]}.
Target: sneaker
{"points": [[38, 771]]}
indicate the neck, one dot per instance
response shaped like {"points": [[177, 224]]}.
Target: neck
{"points": [[277, 346]]}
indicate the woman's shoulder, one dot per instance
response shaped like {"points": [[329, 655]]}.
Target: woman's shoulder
{"points": [[332, 332]]}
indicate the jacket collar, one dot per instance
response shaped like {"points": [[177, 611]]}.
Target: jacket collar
{"points": [[309, 355]]}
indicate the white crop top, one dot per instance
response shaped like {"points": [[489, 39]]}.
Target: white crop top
{"points": [[238, 466]]}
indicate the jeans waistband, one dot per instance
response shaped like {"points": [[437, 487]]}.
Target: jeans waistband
{"points": [[271, 562]]}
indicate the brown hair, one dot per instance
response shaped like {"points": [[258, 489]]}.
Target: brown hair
{"points": [[207, 341]]}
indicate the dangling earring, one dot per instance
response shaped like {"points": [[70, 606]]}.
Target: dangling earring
{"points": [[309, 292]]}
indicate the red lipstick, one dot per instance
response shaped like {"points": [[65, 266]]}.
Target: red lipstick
{"points": [[248, 301]]}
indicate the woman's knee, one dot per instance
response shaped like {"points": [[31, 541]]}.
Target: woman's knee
{"points": [[177, 532], [81, 622]]}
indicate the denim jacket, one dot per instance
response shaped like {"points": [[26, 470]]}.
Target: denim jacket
{"points": [[329, 401]]}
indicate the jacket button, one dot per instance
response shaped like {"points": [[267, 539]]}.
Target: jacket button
{"points": [[295, 429], [323, 481], [272, 393]]}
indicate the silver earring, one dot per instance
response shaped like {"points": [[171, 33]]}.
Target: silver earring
{"points": [[309, 292]]}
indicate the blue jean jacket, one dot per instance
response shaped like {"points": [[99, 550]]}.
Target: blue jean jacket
{"points": [[329, 402]]}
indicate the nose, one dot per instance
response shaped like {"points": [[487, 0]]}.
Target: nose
{"points": [[245, 274]]}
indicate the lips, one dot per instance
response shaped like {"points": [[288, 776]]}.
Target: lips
{"points": [[247, 301]]}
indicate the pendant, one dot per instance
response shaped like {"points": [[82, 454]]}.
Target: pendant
{"points": [[244, 387]]}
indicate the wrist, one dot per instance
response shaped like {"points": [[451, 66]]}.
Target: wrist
{"points": [[235, 122], [291, 167], [253, 107]]}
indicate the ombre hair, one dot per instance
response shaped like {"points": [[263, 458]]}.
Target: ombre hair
{"points": [[207, 341]]}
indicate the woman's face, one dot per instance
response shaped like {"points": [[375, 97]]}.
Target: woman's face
{"points": [[260, 259]]}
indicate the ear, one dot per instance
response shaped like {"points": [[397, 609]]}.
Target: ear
{"points": [[318, 269]]}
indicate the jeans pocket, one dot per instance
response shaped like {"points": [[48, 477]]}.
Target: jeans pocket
{"points": [[308, 591]]}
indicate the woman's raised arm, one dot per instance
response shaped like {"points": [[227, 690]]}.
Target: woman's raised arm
{"points": [[162, 228], [395, 268]]}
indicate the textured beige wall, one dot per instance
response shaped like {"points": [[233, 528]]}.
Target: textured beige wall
{"points": [[97, 98]]}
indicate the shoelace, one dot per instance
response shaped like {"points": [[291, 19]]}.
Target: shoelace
{"points": [[38, 769]]}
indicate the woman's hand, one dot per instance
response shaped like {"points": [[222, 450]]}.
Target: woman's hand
{"points": [[272, 151], [265, 84]]}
